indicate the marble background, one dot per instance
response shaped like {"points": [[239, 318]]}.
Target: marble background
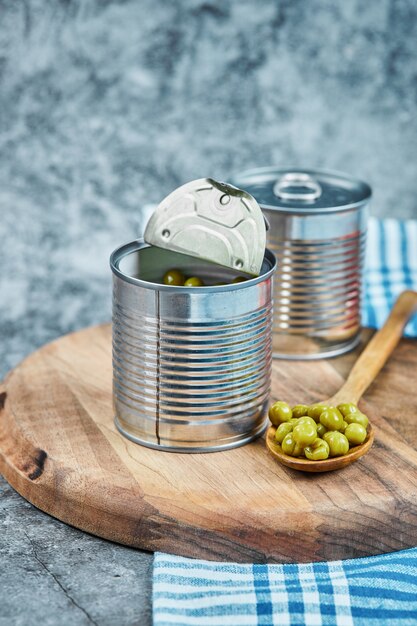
{"points": [[108, 105]]}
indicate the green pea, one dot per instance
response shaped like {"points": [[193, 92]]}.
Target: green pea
{"points": [[280, 412], [174, 277], [298, 450], [282, 431], [193, 281], [357, 418], [355, 433], [331, 419], [347, 408], [338, 443], [318, 450], [304, 434], [315, 410], [290, 446], [299, 410], [307, 420], [321, 430]]}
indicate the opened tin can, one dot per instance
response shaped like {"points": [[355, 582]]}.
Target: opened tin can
{"points": [[191, 366], [317, 232]]}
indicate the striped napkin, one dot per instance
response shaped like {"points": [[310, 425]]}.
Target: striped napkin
{"points": [[390, 267], [374, 591]]}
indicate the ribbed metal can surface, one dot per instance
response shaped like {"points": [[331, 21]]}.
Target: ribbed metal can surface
{"points": [[317, 233], [191, 366]]}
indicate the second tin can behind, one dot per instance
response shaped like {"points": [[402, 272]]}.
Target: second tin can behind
{"points": [[317, 232]]}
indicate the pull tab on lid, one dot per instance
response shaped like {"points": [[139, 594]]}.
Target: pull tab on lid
{"points": [[297, 186], [211, 221]]}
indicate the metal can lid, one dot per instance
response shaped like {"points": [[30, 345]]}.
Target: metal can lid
{"points": [[212, 221], [303, 190]]}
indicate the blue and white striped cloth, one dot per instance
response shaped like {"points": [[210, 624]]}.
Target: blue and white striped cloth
{"points": [[374, 591], [390, 267]]}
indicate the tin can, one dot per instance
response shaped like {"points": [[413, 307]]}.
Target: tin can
{"points": [[191, 366], [317, 232]]}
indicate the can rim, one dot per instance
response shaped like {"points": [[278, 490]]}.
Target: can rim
{"points": [[238, 179], [138, 244]]}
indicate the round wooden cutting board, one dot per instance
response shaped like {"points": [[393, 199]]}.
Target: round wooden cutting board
{"points": [[60, 450]]}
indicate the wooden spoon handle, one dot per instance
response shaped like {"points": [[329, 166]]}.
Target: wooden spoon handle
{"points": [[378, 350]]}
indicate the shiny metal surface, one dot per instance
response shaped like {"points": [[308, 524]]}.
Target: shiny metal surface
{"points": [[212, 221], [319, 244], [334, 191], [191, 366], [297, 186]]}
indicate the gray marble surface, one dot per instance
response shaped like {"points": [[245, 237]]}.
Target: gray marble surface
{"points": [[105, 106], [52, 574]]}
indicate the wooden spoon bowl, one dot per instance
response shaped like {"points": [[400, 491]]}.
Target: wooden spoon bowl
{"points": [[363, 373], [327, 465]]}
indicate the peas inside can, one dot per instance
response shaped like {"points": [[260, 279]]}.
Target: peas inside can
{"points": [[173, 269], [176, 278]]}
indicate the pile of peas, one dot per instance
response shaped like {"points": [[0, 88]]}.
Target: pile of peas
{"points": [[318, 432], [176, 278]]}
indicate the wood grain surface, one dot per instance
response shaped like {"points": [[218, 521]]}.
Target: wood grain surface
{"points": [[60, 450]]}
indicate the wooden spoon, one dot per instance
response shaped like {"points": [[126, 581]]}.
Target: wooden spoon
{"points": [[362, 374]]}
